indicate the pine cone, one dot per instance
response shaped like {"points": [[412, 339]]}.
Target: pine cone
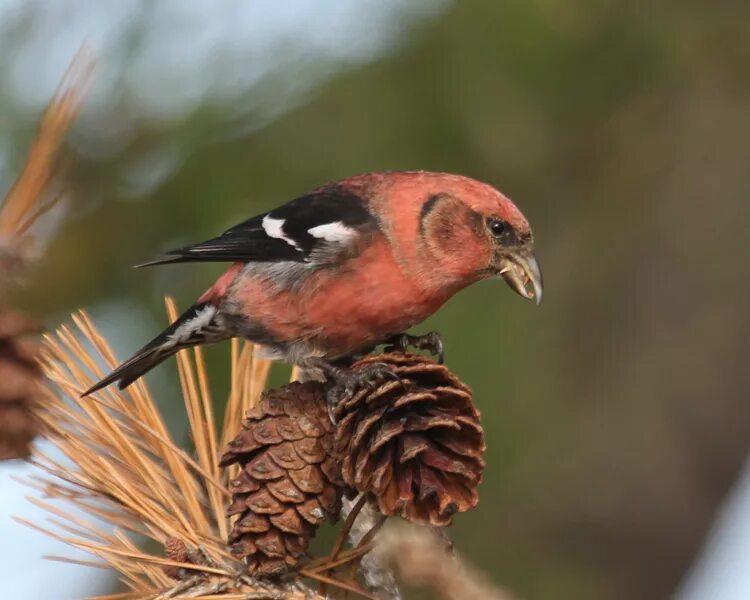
{"points": [[415, 444], [290, 481], [175, 549], [20, 389]]}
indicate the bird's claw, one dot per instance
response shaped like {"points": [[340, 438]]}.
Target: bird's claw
{"points": [[346, 382], [430, 342]]}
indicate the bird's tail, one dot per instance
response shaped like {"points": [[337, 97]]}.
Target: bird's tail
{"points": [[200, 324]]}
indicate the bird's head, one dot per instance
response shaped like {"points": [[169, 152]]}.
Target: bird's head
{"points": [[507, 232], [465, 228]]}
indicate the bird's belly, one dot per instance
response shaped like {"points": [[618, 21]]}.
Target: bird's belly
{"points": [[363, 319], [331, 314]]}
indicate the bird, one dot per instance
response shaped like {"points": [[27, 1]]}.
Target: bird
{"points": [[346, 267]]}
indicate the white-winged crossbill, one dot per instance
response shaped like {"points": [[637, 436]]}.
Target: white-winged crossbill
{"points": [[347, 267]]}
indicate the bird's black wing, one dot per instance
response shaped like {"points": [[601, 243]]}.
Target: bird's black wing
{"points": [[329, 219]]}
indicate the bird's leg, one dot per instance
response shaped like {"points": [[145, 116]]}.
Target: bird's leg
{"points": [[430, 342], [344, 382]]}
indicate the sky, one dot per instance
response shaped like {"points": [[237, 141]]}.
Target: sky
{"points": [[721, 571], [160, 60]]}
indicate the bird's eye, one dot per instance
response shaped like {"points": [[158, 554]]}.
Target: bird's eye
{"points": [[497, 227]]}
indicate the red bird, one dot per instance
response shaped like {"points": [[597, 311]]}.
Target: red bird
{"points": [[348, 266]]}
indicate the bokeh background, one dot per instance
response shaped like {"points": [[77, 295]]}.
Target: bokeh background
{"points": [[617, 414]]}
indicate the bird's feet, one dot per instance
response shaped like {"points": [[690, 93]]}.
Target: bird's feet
{"points": [[345, 382], [430, 342]]}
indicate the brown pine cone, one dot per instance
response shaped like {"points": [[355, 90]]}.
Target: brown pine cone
{"points": [[175, 549], [290, 480], [415, 444], [20, 385]]}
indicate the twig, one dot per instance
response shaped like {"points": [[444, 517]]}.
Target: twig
{"points": [[353, 511], [420, 558], [338, 583], [376, 573]]}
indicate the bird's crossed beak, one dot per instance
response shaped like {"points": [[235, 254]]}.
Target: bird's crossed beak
{"points": [[521, 272]]}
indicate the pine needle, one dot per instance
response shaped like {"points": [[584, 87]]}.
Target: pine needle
{"points": [[122, 481], [29, 197], [122, 468]]}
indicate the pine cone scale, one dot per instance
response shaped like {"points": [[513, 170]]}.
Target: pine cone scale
{"points": [[263, 502], [271, 544], [308, 479], [470, 450], [244, 484], [289, 430], [263, 467], [443, 461], [311, 450], [285, 491], [286, 456], [266, 434], [251, 523], [412, 445], [382, 473], [290, 522], [312, 511], [364, 427]]}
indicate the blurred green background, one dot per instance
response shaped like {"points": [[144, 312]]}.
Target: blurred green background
{"points": [[617, 413]]}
